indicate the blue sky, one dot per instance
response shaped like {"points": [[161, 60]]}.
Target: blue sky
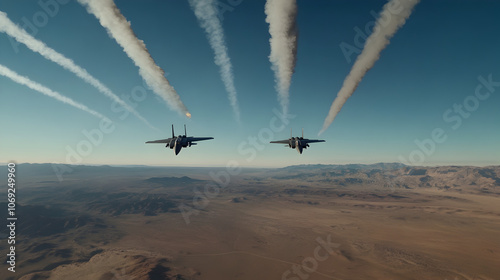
{"points": [[432, 63]]}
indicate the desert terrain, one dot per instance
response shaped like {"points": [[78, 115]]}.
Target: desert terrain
{"points": [[381, 221]]}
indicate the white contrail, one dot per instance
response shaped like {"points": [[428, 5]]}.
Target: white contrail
{"points": [[206, 12], [394, 14], [20, 35], [119, 28], [4, 71], [281, 15]]}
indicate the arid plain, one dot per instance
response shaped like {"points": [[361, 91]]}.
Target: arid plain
{"points": [[383, 221]]}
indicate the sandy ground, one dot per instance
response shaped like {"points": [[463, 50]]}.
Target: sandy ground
{"points": [[423, 236]]}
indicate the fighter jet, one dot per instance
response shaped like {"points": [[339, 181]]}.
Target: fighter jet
{"points": [[297, 143], [179, 142]]}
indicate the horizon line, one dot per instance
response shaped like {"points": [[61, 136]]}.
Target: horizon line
{"points": [[254, 167]]}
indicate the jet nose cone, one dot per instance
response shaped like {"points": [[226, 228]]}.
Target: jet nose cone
{"points": [[177, 149], [299, 149]]}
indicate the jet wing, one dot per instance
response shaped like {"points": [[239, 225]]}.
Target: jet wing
{"points": [[194, 139], [161, 141], [280, 142], [311, 141]]}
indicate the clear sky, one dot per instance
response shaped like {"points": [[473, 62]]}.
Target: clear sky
{"points": [[432, 63]]}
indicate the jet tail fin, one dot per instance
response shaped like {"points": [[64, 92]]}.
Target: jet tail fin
{"points": [[173, 131], [302, 132], [185, 133]]}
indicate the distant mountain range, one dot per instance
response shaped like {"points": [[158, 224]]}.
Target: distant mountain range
{"points": [[460, 178], [44, 169], [381, 165], [467, 179], [168, 181]]}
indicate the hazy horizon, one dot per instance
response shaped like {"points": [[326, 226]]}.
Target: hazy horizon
{"points": [[255, 167]]}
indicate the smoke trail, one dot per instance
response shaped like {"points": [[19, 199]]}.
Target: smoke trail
{"points": [[20, 35], [4, 71], [281, 15], [394, 14], [119, 28], [206, 12]]}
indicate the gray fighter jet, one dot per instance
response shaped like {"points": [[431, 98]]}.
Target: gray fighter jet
{"points": [[297, 143], [178, 142]]}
